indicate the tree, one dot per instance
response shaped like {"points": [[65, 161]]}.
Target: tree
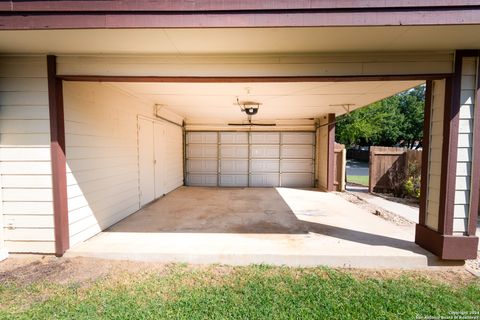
{"points": [[411, 105], [397, 120]]}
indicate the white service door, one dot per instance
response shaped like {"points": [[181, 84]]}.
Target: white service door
{"points": [[146, 157], [159, 159], [173, 157]]}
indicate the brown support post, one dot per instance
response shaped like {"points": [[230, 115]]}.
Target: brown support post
{"points": [[58, 158], [426, 148], [443, 242], [331, 152]]}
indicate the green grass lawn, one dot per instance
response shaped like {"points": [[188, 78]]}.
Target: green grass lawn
{"points": [[362, 180], [254, 292]]}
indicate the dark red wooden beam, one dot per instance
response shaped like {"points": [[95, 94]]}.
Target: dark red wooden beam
{"points": [[331, 152], [58, 158], [25, 15], [100, 78], [221, 5]]}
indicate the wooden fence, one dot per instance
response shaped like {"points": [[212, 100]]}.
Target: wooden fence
{"points": [[339, 164], [389, 167]]}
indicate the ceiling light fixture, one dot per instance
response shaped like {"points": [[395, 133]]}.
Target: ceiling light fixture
{"points": [[249, 107]]}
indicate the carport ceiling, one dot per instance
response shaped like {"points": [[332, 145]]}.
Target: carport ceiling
{"points": [[241, 40], [207, 102]]}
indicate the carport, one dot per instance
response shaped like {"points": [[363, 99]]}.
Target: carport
{"points": [[130, 143], [115, 109]]}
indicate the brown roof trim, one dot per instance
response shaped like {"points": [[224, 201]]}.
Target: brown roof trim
{"points": [[100, 78], [63, 15], [215, 5], [425, 155], [58, 158]]}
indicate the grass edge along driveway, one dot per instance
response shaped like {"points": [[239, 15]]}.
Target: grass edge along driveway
{"points": [[251, 292]]}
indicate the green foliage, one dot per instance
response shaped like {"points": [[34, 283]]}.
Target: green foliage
{"points": [[394, 120], [412, 181], [252, 292]]}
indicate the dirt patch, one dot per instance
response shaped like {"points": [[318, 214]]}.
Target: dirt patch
{"points": [[407, 201], [24, 270], [474, 265], [457, 276], [387, 215]]}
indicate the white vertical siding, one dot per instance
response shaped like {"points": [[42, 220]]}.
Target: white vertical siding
{"points": [[102, 156], [435, 154], [3, 250], [465, 147], [322, 153], [25, 168]]}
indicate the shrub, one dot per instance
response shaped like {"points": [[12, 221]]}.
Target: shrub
{"points": [[412, 182]]}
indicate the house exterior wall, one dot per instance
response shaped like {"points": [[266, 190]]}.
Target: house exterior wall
{"points": [[25, 167], [435, 154], [102, 156], [463, 181], [3, 249]]}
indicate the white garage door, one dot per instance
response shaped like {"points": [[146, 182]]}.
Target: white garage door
{"points": [[250, 159]]}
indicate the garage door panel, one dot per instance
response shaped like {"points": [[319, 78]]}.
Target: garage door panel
{"points": [[297, 166], [297, 151], [298, 138], [262, 166], [265, 138], [234, 137], [233, 180], [202, 137], [297, 180], [265, 152], [264, 180], [202, 165], [234, 151], [233, 166], [202, 151], [209, 180], [255, 159]]}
